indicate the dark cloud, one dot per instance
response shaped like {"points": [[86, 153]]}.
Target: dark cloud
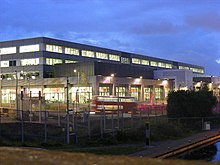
{"points": [[207, 20], [156, 28]]}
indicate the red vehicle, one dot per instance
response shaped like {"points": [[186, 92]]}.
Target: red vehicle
{"points": [[111, 104]]}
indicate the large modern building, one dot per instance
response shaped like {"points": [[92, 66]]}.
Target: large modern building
{"points": [[51, 66]]}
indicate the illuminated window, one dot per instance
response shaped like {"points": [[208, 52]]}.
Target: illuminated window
{"points": [[144, 62], [161, 64], [125, 60], [54, 48], [101, 55], [29, 48], [87, 53], [153, 63], [32, 61], [70, 61], [169, 66], [136, 61], [52, 61], [183, 67], [72, 51], [197, 70], [4, 64], [9, 50], [114, 57]]}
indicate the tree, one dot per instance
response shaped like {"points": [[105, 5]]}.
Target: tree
{"points": [[190, 103]]}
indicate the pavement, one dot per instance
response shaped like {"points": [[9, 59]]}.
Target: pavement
{"points": [[159, 148]]}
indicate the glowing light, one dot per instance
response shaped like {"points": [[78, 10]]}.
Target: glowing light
{"points": [[164, 82]]}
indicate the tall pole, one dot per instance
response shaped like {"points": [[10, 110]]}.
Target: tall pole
{"points": [[67, 111], [16, 93], [118, 104]]}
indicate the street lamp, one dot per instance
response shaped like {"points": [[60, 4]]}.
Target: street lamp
{"points": [[16, 92]]}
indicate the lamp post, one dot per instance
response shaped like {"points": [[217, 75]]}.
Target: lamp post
{"points": [[67, 111], [16, 93]]}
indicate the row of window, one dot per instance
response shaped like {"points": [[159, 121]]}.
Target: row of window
{"points": [[33, 61], [151, 63], [20, 75], [85, 53], [196, 70], [22, 49]]}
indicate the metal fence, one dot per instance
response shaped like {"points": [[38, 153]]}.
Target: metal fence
{"points": [[72, 127]]}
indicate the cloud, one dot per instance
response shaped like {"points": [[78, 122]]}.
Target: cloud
{"points": [[156, 28], [207, 20], [218, 61]]}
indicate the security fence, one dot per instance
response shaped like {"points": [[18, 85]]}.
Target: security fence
{"points": [[77, 126]]}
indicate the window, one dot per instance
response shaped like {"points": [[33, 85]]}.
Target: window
{"points": [[12, 63], [153, 63], [52, 61], [136, 61], [29, 75], [72, 51], [54, 48], [101, 55], [161, 64], [87, 53], [9, 50], [197, 70], [125, 60], [169, 66], [114, 57], [4, 64], [183, 67], [144, 62], [32, 61], [29, 48]]}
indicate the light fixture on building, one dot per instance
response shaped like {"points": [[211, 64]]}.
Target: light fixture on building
{"points": [[164, 82]]}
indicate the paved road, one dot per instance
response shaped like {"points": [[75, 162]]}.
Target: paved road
{"points": [[160, 148]]}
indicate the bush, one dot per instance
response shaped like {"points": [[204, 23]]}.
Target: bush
{"points": [[190, 103]]}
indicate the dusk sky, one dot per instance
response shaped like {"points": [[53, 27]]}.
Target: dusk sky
{"points": [[182, 30]]}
